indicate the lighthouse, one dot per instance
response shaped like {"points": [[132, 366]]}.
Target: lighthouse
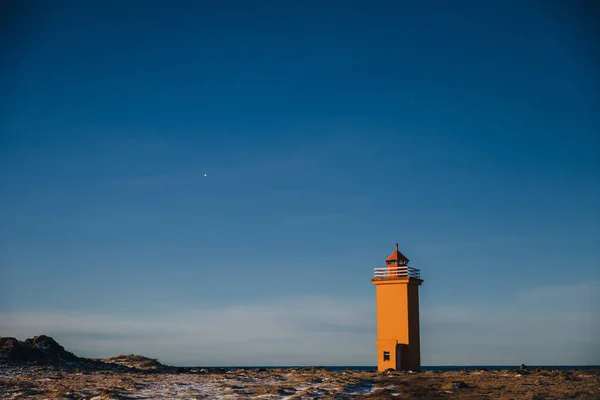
{"points": [[397, 297]]}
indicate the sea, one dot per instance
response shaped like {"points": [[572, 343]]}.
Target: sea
{"points": [[440, 368]]}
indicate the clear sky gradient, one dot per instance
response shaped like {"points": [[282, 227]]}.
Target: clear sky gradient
{"points": [[468, 131]]}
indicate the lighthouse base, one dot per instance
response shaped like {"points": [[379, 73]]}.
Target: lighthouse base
{"points": [[396, 356]]}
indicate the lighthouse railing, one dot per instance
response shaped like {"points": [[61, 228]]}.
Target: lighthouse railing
{"points": [[397, 272]]}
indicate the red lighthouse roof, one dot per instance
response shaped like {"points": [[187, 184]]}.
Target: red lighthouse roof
{"points": [[397, 256]]}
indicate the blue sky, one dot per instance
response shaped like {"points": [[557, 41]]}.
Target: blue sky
{"points": [[468, 133]]}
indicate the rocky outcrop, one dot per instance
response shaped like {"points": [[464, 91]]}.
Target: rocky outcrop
{"points": [[13, 350], [40, 349], [134, 361], [45, 350]]}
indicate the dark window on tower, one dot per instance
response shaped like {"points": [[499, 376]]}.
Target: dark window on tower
{"points": [[386, 356]]}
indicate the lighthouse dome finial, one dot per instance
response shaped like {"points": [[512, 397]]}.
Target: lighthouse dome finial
{"points": [[397, 256]]}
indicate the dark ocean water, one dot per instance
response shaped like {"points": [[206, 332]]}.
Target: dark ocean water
{"points": [[443, 368]]}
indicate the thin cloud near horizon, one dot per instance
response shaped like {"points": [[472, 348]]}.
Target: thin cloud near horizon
{"points": [[334, 331]]}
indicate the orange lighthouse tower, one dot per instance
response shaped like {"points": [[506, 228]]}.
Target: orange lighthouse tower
{"points": [[397, 293]]}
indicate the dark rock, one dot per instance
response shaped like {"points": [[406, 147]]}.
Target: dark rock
{"points": [[39, 349], [524, 372], [13, 350]]}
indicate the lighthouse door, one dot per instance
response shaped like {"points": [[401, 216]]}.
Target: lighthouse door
{"points": [[398, 357]]}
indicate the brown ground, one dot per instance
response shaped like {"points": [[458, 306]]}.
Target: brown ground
{"points": [[74, 381], [534, 385]]}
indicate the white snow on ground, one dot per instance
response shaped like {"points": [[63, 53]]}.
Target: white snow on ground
{"points": [[107, 385], [224, 388]]}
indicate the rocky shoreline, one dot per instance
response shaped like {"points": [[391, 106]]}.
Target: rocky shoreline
{"points": [[52, 375]]}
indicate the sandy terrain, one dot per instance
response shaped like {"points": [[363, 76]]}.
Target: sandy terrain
{"points": [[75, 382]]}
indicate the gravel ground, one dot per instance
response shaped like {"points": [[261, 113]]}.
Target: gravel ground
{"points": [[77, 382]]}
